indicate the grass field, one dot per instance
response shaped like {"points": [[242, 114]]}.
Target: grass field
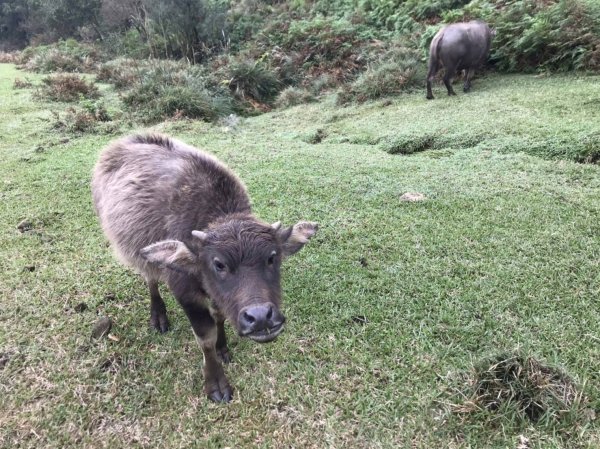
{"points": [[393, 308]]}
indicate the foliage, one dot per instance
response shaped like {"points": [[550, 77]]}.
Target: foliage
{"points": [[253, 80], [292, 96], [66, 56], [168, 90], [130, 43], [190, 29], [22, 84], [394, 73], [259, 48], [320, 45], [122, 73], [67, 87]]}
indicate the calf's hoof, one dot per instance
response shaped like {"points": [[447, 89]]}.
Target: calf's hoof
{"points": [[219, 391], [429, 97], [159, 321]]}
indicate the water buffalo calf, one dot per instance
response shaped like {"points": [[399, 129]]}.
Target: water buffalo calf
{"points": [[459, 46], [178, 215]]}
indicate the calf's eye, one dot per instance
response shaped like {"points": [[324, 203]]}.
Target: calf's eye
{"points": [[219, 266], [271, 259]]}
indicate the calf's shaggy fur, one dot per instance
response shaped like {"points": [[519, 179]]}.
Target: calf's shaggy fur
{"points": [[178, 215]]}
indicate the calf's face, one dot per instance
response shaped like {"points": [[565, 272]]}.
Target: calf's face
{"points": [[239, 264]]}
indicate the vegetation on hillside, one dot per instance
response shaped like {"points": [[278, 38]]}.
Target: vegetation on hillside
{"points": [[207, 59]]}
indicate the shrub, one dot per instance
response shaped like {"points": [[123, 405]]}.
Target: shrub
{"points": [[323, 45], [130, 44], [96, 109], [65, 56], [313, 137], [22, 84], [67, 87], [9, 57], [122, 73], [292, 96], [253, 80], [168, 90], [395, 74]]}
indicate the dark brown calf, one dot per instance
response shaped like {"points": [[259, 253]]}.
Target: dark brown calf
{"points": [[178, 215]]}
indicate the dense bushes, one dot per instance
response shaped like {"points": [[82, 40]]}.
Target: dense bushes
{"points": [[397, 71], [168, 89], [249, 56], [67, 87], [63, 56]]}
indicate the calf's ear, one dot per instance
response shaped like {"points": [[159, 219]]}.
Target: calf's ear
{"points": [[171, 254], [294, 238]]}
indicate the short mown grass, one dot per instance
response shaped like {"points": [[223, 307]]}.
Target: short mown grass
{"points": [[395, 309]]}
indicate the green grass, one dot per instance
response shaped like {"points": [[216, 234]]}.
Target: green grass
{"points": [[502, 257]]}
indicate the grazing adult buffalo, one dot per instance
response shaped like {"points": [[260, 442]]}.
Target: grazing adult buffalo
{"points": [[178, 215], [459, 46]]}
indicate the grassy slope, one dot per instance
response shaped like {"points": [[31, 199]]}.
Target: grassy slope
{"points": [[504, 255]]}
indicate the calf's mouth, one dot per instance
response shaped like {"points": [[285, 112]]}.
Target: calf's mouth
{"points": [[265, 335]]}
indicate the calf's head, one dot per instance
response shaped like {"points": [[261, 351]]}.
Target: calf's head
{"points": [[238, 261]]}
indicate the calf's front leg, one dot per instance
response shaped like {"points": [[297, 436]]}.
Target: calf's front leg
{"points": [[216, 385], [192, 298], [221, 345]]}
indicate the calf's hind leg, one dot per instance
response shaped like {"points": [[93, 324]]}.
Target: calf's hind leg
{"points": [[158, 310]]}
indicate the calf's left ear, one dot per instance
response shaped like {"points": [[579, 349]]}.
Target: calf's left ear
{"points": [[294, 238], [171, 254]]}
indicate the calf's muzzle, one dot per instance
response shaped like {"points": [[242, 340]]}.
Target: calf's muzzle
{"points": [[260, 322]]}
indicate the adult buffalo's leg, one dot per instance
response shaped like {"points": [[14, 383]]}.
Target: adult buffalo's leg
{"points": [[158, 311], [430, 77], [450, 71], [468, 77], [216, 385], [429, 92]]}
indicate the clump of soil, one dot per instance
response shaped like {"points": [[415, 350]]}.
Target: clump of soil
{"points": [[102, 327], [524, 384]]}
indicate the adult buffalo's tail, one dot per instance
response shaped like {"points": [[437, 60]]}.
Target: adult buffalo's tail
{"points": [[434, 62]]}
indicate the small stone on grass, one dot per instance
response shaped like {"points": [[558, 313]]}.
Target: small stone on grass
{"points": [[413, 197]]}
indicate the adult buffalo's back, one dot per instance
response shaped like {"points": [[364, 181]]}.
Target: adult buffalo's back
{"points": [[459, 46]]}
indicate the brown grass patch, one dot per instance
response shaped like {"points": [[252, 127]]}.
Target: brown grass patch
{"points": [[68, 87]]}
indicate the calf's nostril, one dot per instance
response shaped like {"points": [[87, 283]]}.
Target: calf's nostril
{"points": [[249, 318], [270, 313]]}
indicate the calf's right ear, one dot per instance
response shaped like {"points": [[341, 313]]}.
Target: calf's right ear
{"points": [[171, 254]]}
